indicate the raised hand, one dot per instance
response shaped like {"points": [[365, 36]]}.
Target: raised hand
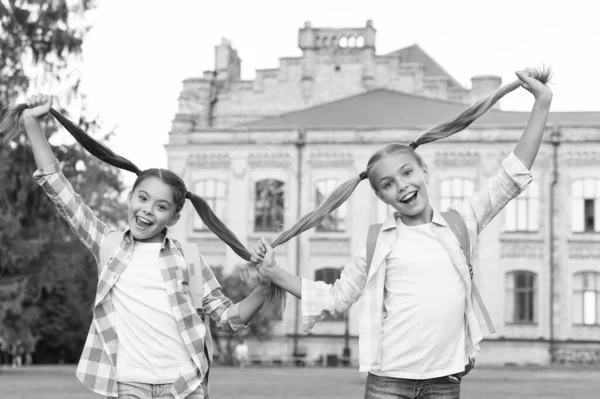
{"points": [[540, 91], [38, 106]]}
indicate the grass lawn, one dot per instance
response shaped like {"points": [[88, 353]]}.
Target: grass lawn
{"points": [[54, 382]]}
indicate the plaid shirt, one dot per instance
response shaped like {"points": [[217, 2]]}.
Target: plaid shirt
{"points": [[319, 299], [96, 367]]}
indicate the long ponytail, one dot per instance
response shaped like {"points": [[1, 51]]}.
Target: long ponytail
{"points": [[10, 126]]}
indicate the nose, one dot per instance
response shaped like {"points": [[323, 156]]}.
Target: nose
{"points": [[147, 209]]}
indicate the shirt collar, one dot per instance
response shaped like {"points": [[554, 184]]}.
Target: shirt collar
{"points": [[166, 243], [390, 222]]}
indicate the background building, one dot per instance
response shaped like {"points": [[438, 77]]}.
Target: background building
{"points": [[263, 153]]}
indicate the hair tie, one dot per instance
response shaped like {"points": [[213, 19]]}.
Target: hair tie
{"points": [[363, 175], [188, 195], [413, 146]]}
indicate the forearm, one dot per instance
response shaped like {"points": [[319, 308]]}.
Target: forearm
{"points": [[529, 143], [39, 144], [248, 307], [287, 281]]}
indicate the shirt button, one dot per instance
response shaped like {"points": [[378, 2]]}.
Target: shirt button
{"points": [[127, 257]]}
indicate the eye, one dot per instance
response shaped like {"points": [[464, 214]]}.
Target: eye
{"points": [[162, 207], [408, 172], [142, 197], [387, 185]]}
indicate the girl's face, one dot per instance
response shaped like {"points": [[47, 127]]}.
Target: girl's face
{"points": [[402, 183], [150, 209]]}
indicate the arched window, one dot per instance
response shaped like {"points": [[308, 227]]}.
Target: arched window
{"points": [[343, 43], [335, 221], [455, 189], [586, 298], [522, 213], [360, 41], [585, 205], [521, 293], [269, 205], [213, 192]]}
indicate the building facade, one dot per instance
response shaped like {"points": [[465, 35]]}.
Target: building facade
{"points": [[264, 152]]}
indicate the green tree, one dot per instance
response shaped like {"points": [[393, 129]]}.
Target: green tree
{"points": [[47, 278]]}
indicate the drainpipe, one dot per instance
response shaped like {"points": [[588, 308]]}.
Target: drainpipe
{"points": [[555, 140], [300, 143]]}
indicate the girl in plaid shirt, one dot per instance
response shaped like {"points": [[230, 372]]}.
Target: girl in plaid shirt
{"points": [[147, 340], [417, 329]]}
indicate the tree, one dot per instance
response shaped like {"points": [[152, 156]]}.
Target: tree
{"points": [[47, 279], [235, 289]]}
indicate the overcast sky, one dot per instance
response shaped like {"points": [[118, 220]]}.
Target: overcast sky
{"points": [[139, 51]]}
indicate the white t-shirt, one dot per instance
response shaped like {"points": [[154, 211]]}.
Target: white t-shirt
{"points": [[425, 298], [150, 348]]}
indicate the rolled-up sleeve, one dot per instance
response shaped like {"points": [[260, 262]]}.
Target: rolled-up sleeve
{"points": [[220, 308], [320, 299], [510, 181]]}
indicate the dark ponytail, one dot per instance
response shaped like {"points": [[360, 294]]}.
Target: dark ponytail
{"points": [[10, 126]]}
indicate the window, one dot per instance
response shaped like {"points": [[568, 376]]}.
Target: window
{"points": [[455, 189], [521, 297], [585, 205], [336, 220], [213, 192], [586, 298], [522, 213], [329, 275], [269, 205]]}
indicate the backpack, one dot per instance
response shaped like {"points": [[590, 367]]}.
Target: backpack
{"points": [[459, 228]]}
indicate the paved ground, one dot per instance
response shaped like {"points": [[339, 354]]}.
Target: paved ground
{"points": [[54, 382]]}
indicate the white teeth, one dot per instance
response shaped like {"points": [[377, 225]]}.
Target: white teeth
{"points": [[144, 220], [407, 196]]}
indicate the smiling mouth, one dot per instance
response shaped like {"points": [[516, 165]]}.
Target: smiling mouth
{"points": [[409, 198], [142, 223]]}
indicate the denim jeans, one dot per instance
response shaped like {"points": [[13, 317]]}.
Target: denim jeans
{"points": [[399, 388], [136, 390]]}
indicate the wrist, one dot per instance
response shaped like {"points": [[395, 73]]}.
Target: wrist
{"points": [[544, 99]]}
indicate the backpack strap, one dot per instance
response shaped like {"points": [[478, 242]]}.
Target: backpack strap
{"points": [[459, 228], [108, 247], [371, 241], [194, 265]]}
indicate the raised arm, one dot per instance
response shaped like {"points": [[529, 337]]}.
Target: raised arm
{"points": [[82, 220], [529, 143]]}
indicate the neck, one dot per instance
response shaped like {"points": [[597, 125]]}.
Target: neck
{"points": [[422, 218]]}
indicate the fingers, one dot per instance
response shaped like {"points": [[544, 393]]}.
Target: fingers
{"points": [[265, 244], [37, 100]]}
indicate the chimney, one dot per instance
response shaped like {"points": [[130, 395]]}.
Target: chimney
{"points": [[227, 61], [483, 85]]}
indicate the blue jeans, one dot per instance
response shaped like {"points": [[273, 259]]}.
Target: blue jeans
{"points": [[137, 390], [399, 388]]}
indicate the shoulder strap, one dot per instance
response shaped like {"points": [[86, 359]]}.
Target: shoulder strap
{"points": [[108, 247], [371, 241], [194, 264], [459, 228]]}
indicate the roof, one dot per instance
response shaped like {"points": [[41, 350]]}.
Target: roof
{"points": [[387, 108], [415, 53]]}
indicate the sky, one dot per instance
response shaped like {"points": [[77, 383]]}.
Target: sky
{"points": [[138, 52]]}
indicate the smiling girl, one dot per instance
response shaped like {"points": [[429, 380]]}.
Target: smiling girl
{"points": [[417, 331], [147, 339]]}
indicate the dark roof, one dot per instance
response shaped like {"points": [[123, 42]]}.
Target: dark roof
{"points": [[388, 108], [415, 53]]}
